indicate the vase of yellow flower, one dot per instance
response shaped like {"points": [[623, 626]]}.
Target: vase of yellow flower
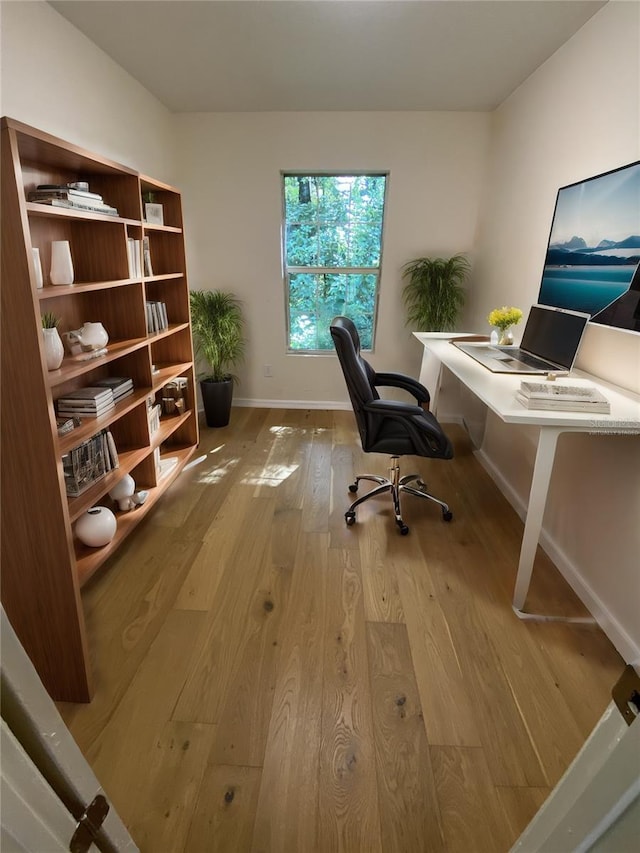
{"points": [[504, 318]]}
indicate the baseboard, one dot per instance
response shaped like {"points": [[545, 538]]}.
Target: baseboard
{"points": [[330, 405], [627, 648]]}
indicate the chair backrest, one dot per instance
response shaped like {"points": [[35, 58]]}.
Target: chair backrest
{"points": [[358, 373]]}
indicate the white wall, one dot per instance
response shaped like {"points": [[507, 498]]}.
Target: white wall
{"points": [[233, 207], [576, 116], [55, 79]]}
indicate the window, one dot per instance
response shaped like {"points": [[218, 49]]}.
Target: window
{"points": [[332, 255]]}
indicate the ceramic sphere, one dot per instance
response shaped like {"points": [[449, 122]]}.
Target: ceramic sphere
{"points": [[96, 527]]}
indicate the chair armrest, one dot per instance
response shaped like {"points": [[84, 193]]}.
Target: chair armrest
{"points": [[407, 383], [392, 407]]}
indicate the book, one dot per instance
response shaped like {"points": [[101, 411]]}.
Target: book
{"points": [[85, 405], [90, 393], [76, 205], [117, 384], [133, 257], [89, 414], [167, 464], [596, 406], [559, 391], [146, 252], [84, 465], [69, 189], [111, 447]]}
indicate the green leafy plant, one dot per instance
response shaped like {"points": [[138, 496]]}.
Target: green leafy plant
{"points": [[50, 321], [434, 294], [218, 331]]}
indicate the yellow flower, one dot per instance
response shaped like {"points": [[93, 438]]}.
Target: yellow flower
{"points": [[504, 317]]}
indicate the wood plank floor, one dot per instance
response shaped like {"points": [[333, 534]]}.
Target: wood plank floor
{"points": [[271, 680]]}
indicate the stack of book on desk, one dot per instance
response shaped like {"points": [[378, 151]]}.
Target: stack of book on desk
{"points": [[86, 402], [557, 396]]}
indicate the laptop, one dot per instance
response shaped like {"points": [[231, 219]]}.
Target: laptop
{"points": [[549, 344]]}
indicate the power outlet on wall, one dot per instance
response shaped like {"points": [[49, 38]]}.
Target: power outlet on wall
{"points": [[268, 370]]}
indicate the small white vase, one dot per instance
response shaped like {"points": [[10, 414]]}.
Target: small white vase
{"points": [[37, 266], [96, 527], [61, 263], [93, 336], [53, 348]]}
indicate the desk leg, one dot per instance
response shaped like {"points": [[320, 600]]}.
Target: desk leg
{"points": [[545, 456], [535, 511]]}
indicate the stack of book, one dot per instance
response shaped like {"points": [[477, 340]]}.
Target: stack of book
{"points": [[157, 319], [121, 386], [559, 396], [89, 462], [71, 195], [86, 402]]}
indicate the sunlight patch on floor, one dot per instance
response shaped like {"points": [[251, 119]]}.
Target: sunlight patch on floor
{"points": [[216, 475], [271, 475]]}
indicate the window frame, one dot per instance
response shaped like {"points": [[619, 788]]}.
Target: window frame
{"points": [[287, 271]]}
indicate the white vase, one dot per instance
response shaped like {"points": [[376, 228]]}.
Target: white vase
{"points": [[37, 266], [53, 348], [61, 263], [93, 336], [96, 527]]}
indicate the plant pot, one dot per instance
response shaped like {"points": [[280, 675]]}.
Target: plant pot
{"points": [[53, 348], [216, 397]]}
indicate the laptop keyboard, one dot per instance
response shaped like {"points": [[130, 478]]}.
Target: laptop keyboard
{"points": [[532, 361]]}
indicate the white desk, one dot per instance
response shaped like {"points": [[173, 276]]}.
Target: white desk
{"points": [[497, 392]]}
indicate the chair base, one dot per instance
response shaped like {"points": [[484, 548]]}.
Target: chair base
{"points": [[396, 485]]}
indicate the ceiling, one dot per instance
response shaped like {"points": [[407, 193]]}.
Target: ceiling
{"points": [[263, 55]]}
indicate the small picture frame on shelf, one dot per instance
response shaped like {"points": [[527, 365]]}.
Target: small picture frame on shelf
{"points": [[153, 214]]}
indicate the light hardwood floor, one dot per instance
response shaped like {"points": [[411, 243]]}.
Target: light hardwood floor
{"points": [[271, 680]]}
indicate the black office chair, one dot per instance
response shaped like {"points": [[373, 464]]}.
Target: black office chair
{"points": [[388, 426]]}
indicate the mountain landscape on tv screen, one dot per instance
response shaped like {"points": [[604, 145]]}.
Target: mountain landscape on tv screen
{"points": [[576, 252]]}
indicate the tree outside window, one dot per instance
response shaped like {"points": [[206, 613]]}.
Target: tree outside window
{"points": [[332, 251]]}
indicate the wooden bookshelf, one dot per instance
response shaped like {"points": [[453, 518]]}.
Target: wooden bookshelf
{"points": [[43, 565]]}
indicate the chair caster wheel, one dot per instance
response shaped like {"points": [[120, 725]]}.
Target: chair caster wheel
{"points": [[403, 530], [350, 518], [353, 488], [447, 516]]}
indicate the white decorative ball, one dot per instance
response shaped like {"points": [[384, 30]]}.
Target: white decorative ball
{"points": [[96, 527]]}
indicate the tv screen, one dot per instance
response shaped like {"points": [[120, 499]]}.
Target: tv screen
{"points": [[593, 252]]}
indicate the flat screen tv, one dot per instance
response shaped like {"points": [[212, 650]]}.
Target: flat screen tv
{"points": [[593, 255]]}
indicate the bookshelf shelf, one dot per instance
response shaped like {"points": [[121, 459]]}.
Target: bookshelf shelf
{"points": [[148, 226], [44, 566], [128, 461], [89, 560], [34, 209], [54, 291], [90, 426], [71, 368]]}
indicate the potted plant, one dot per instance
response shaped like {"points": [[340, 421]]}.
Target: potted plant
{"points": [[434, 294], [216, 319]]}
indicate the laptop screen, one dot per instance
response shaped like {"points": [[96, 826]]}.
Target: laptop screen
{"points": [[554, 334]]}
